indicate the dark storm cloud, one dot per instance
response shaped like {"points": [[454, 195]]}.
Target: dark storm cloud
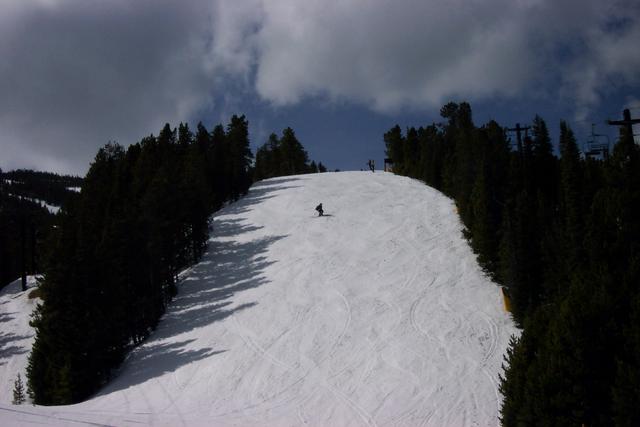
{"points": [[75, 74]]}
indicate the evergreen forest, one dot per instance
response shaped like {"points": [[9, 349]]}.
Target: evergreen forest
{"points": [[284, 156], [562, 236], [24, 222], [114, 256], [49, 187]]}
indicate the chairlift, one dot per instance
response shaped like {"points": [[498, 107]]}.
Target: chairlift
{"points": [[598, 145]]}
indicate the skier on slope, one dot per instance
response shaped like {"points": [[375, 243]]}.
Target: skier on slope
{"points": [[319, 209]]}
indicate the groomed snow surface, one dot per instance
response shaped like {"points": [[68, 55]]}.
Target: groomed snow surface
{"points": [[375, 314]]}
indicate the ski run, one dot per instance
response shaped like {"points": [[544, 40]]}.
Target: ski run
{"points": [[375, 314]]}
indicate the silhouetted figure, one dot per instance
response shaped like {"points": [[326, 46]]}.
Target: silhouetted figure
{"points": [[319, 209], [372, 165]]}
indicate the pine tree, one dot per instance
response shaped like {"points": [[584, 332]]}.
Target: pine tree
{"points": [[572, 207], [520, 354], [294, 159], [195, 207], [431, 155], [274, 158], [240, 156], [313, 167], [459, 163], [269, 159], [410, 152], [261, 170], [394, 144], [219, 179], [483, 236], [18, 391], [626, 393], [517, 258], [282, 156]]}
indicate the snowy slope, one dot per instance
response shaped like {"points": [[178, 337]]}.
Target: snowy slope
{"points": [[376, 314], [16, 336], [51, 208]]}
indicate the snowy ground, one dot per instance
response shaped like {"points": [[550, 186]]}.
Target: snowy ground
{"points": [[16, 336], [51, 208], [376, 314]]}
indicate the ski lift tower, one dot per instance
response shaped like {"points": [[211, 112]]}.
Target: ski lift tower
{"points": [[626, 121], [518, 129]]}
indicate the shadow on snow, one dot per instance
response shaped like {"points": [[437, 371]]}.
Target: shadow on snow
{"points": [[7, 347], [206, 295], [259, 192]]}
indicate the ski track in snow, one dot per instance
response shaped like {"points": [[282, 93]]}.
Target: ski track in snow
{"points": [[376, 314]]}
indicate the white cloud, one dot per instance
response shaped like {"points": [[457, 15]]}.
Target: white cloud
{"points": [[394, 54]]}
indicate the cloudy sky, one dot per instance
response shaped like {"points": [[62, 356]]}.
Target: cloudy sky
{"points": [[75, 74]]}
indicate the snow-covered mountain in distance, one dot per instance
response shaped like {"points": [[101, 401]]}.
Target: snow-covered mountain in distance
{"points": [[374, 314]]}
